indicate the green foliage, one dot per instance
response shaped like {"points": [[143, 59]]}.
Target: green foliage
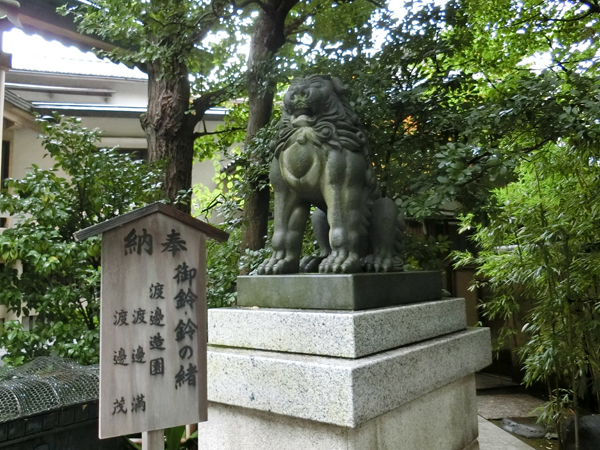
{"points": [[377, 100], [222, 269], [425, 252], [542, 246], [46, 272], [207, 36], [448, 123], [173, 437], [455, 113], [165, 31], [245, 165], [415, 104], [338, 30], [224, 260], [224, 204], [445, 127], [234, 164], [512, 31]]}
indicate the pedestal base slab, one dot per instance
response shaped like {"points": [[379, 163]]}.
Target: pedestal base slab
{"points": [[341, 391], [343, 334], [444, 419]]}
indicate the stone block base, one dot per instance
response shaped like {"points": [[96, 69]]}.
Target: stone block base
{"points": [[443, 419], [355, 291]]}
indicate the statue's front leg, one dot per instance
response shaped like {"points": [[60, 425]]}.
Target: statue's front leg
{"points": [[345, 198], [347, 228], [290, 216]]}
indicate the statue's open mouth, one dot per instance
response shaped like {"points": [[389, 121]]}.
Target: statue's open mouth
{"points": [[302, 112], [302, 117]]}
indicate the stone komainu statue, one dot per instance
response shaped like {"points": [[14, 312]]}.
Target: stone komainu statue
{"points": [[322, 158]]}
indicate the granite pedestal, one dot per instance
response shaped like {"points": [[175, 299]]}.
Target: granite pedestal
{"points": [[398, 377]]}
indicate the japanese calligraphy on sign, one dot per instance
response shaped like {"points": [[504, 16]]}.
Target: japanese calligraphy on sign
{"points": [[153, 323]]}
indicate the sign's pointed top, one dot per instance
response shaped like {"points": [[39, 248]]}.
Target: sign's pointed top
{"points": [[208, 230]]}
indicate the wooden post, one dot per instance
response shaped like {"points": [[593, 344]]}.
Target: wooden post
{"points": [[190, 429], [153, 440]]}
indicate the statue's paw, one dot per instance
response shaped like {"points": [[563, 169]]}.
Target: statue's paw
{"points": [[325, 266], [379, 263], [341, 262], [367, 263], [284, 266], [383, 265], [278, 264], [281, 266], [310, 264], [266, 267], [351, 264]]}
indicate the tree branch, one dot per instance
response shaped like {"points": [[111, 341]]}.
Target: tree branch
{"points": [[211, 133], [204, 26], [589, 12], [593, 5], [594, 8], [206, 101], [203, 103], [293, 26], [478, 158], [485, 169], [242, 5], [285, 7], [153, 19]]}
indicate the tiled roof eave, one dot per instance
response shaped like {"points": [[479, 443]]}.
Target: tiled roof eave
{"points": [[17, 101]]}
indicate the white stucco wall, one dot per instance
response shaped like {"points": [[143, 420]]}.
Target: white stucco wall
{"points": [[26, 148]]}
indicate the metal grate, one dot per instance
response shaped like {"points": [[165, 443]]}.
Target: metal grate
{"points": [[45, 384]]}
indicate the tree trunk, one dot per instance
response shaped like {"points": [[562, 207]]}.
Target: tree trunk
{"points": [[267, 38], [260, 99], [169, 129]]}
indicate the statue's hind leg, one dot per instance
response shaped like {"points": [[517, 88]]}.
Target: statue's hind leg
{"points": [[385, 234], [320, 226]]}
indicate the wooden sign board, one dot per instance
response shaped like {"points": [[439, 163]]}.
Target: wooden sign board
{"points": [[152, 322]]}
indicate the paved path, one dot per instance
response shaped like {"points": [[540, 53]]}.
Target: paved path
{"points": [[507, 405], [492, 437]]}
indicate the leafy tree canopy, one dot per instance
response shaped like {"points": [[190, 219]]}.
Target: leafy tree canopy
{"points": [[447, 123], [161, 30], [47, 273], [505, 32]]}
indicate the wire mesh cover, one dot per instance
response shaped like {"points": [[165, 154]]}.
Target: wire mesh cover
{"points": [[44, 384]]}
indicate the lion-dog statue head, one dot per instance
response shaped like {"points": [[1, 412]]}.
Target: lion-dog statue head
{"points": [[322, 159]]}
